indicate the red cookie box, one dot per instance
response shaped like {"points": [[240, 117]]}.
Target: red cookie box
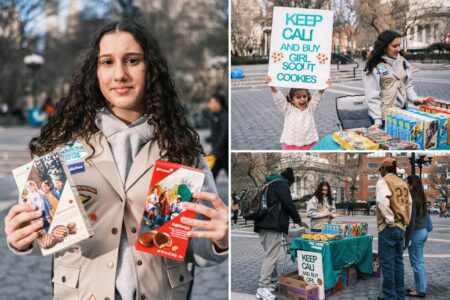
{"points": [[161, 231]]}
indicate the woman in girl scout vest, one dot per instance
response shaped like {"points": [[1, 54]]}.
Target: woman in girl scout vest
{"points": [[388, 78], [122, 111]]}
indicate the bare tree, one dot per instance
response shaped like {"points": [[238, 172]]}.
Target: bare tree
{"points": [[440, 179], [246, 15]]}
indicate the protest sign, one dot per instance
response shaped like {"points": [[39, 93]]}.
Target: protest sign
{"points": [[300, 48], [310, 268]]}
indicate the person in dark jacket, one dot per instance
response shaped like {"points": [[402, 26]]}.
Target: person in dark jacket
{"points": [[416, 236], [219, 133], [272, 226]]}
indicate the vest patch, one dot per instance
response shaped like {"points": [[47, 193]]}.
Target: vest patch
{"points": [[383, 70], [385, 82]]}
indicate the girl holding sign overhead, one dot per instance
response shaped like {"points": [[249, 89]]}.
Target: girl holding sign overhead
{"points": [[298, 108], [388, 78]]}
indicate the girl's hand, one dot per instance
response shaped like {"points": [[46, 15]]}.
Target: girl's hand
{"points": [[329, 81], [303, 224], [375, 126], [20, 231], [215, 227], [267, 79]]}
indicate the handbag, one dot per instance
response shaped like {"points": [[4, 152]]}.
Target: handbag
{"points": [[429, 224]]}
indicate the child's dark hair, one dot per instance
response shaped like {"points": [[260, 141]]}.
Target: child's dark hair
{"points": [[292, 91]]}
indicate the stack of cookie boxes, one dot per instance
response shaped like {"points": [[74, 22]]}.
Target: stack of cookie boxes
{"points": [[412, 127], [345, 229], [443, 115]]}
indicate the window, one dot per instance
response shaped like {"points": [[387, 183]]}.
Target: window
{"points": [[353, 166], [356, 189], [426, 187], [403, 165], [372, 188], [373, 176], [373, 165], [426, 175]]}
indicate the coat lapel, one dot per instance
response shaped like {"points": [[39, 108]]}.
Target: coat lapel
{"points": [[104, 162], [143, 161]]}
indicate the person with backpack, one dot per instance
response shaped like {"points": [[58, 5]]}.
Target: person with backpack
{"points": [[388, 78], [271, 227]]}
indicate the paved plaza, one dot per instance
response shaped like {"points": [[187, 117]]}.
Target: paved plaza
{"points": [[247, 257], [30, 277], [256, 124]]}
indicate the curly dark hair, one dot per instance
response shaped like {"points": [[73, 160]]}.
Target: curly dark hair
{"points": [[379, 48], [318, 193], [75, 114], [292, 91]]}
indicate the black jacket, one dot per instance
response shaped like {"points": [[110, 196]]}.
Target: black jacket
{"points": [[219, 133], [278, 194]]}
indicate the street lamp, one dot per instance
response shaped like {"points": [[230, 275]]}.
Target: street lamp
{"points": [[421, 161], [334, 195], [34, 62]]}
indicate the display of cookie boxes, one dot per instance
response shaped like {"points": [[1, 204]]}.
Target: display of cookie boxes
{"points": [[412, 127], [319, 237], [442, 113], [345, 229], [442, 126], [47, 184], [352, 141]]}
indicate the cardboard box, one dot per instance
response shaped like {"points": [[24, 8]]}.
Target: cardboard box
{"points": [[352, 276], [294, 287], [442, 125], [356, 228], [339, 286], [376, 265], [46, 182]]}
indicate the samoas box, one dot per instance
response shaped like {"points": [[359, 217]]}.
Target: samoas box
{"points": [[47, 183]]}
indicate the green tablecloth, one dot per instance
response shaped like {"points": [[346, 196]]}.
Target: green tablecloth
{"points": [[327, 143], [337, 254]]}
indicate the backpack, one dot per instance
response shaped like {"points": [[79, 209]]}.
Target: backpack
{"points": [[254, 203]]}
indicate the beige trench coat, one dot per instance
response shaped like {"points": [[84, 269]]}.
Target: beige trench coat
{"points": [[88, 270]]}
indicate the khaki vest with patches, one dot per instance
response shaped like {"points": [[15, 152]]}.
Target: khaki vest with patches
{"points": [[392, 81]]}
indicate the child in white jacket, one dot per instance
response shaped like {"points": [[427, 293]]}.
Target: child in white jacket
{"points": [[298, 108]]}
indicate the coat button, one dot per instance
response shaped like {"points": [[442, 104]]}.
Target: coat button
{"points": [[139, 262], [114, 230], [110, 264], [63, 279], [143, 297], [133, 230], [181, 278]]}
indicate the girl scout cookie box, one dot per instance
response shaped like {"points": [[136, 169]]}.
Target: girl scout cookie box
{"points": [[424, 131], [46, 182], [161, 231]]}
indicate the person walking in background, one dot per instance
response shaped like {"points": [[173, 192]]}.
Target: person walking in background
{"points": [[393, 202], [416, 236], [388, 78], [234, 209], [442, 209], [351, 208], [271, 228], [321, 208], [219, 133]]}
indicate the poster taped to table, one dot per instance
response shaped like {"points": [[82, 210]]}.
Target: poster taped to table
{"points": [[311, 270], [300, 47]]}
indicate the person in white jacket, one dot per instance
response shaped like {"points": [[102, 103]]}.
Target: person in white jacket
{"points": [[388, 79], [298, 108]]}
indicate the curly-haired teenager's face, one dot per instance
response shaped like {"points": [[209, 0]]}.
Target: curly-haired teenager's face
{"points": [[121, 75]]}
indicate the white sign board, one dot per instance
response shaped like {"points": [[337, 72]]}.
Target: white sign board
{"points": [[300, 48], [310, 268]]}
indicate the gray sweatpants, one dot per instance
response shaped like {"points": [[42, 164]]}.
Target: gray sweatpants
{"points": [[271, 242]]}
